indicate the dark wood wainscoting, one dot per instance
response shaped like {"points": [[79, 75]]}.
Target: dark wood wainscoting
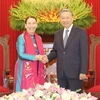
{"points": [[47, 37]]}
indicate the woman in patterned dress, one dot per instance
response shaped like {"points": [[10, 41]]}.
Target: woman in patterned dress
{"points": [[29, 70]]}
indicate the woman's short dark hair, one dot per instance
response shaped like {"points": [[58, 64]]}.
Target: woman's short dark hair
{"points": [[29, 17]]}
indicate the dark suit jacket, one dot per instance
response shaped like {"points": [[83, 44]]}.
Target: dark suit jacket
{"points": [[72, 59]]}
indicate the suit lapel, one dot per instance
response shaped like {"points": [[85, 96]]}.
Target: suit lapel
{"points": [[61, 37], [70, 36]]}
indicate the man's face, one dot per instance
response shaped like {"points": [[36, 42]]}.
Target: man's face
{"points": [[66, 19], [31, 25]]}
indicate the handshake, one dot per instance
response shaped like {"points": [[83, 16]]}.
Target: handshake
{"points": [[42, 58]]}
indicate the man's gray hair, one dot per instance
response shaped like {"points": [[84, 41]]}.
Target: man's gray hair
{"points": [[66, 10]]}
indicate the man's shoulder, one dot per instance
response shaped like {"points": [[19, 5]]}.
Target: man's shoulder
{"points": [[78, 27], [59, 31]]}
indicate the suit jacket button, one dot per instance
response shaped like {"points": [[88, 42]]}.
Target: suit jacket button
{"points": [[63, 52]]}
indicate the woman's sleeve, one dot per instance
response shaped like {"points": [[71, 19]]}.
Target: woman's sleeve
{"points": [[21, 50]]}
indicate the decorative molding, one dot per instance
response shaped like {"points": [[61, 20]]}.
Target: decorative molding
{"points": [[95, 41], [51, 66]]}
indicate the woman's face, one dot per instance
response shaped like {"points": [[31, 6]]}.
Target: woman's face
{"points": [[31, 25]]}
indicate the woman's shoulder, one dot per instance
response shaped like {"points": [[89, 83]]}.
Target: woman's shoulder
{"points": [[21, 37]]}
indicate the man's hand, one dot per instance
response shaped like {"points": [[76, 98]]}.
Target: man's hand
{"points": [[83, 77], [44, 59]]}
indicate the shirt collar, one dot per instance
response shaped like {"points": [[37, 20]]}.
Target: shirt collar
{"points": [[64, 32], [69, 28]]}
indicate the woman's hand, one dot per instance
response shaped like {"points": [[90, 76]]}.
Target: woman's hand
{"points": [[38, 57]]}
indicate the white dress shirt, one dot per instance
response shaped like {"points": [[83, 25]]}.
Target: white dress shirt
{"points": [[64, 32]]}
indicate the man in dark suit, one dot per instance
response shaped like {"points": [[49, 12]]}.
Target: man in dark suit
{"points": [[72, 59]]}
